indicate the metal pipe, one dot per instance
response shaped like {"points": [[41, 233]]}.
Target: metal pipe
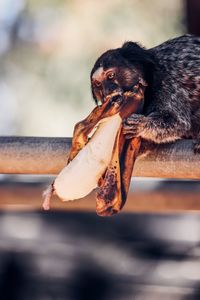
{"points": [[44, 155]]}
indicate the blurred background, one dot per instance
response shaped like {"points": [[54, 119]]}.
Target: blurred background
{"points": [[47, 49]]}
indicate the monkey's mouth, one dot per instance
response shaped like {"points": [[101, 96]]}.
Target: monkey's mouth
{"points": [[117, 96]]}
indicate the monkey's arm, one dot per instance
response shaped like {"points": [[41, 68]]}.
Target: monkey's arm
{"points": [[167, 117], [157, 127]]}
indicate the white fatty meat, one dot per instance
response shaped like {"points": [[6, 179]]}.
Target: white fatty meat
{"points": [[81, 175]]}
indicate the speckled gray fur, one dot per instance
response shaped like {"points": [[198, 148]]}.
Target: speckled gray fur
{"points": [[174, 106], [172, 98]]}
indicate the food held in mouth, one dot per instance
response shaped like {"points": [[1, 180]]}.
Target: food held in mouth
{"points": [[82, 174], [100, 157]]}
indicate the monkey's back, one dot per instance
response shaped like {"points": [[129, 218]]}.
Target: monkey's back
{"points": [[178, 66], [180, 58], [183, 50]]}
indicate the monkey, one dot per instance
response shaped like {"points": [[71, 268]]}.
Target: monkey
{"points": [[171, 73]]}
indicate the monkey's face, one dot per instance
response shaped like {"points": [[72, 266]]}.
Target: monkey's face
{"points": [[114, 73], [112, 82]]}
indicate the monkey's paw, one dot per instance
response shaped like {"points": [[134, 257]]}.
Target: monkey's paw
{"points": [[197, 147], [134, 125]]}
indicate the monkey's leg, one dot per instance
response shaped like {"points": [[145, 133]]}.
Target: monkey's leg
{"points": [[156, 127]]}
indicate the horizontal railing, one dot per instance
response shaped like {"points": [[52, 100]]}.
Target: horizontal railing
{"points": [[46, 155]]}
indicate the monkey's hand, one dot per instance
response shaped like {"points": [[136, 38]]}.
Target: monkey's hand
{"points": [[134, 125], [156, 127]]}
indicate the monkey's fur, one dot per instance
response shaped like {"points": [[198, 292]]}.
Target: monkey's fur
{"points": [[172, 98]]}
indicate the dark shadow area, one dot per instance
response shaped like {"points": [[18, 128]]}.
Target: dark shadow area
{"points": [[15, 281], [82, 256], [192, 16]]}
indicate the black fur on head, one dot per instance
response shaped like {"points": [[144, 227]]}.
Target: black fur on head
{"points": [[126, 65], [139, 57]]}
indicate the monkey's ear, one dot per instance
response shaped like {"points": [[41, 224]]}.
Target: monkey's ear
{"points": [[93, 96], [135, 54], [132, 46]]}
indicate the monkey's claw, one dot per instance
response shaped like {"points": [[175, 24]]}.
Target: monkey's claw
{"points": [[135, 119], [197, 147], [134, 125]]}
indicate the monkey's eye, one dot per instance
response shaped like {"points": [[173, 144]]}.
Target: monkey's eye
{"points": [[97, 83], [110, 75]]}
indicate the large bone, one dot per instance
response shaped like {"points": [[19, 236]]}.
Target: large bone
{"points": [[82, 173], [113, 188], [106, 159], [82, 164]]}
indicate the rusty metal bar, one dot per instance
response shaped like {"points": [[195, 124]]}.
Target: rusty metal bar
{"points": [[43, 155]]}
